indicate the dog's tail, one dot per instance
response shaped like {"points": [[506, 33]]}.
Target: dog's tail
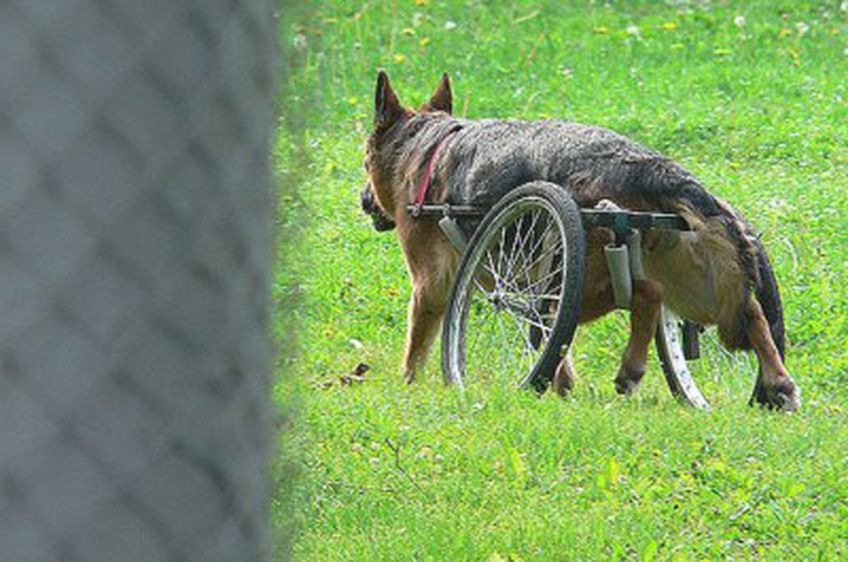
{"points": [[768, 296]]}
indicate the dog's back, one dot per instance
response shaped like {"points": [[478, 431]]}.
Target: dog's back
{"points": [[491, 157]]}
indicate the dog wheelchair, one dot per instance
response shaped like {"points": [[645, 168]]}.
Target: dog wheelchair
{"points": [[516, 297]]}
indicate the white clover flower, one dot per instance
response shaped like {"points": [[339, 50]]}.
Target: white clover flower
{"points": [[633, 30], [802, 28], [844, 6], [739, 21], [450, 25]]}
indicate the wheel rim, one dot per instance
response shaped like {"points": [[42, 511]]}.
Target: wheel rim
{"points": [[675, 366], [722, 375], [510, 298]]}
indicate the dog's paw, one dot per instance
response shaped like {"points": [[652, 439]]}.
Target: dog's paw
{"points": [[409, 377], [627, 381], [790, 403], [563, 381], [783, 396]]}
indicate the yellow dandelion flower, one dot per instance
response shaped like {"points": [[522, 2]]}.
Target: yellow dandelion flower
{"points": [[424, 41], [670, 26], [407, 31], [795, 56], [602, 30], [353, 100], [421, 3], [399, 58]]}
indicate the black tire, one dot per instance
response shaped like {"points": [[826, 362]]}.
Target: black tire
{"points": [[540, 224], [669, 342]]}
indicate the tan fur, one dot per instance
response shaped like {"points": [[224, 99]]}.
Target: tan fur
{"points": [[432, 262]]}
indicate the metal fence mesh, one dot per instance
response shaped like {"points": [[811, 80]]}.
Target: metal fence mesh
{"points": [[134, 253]]}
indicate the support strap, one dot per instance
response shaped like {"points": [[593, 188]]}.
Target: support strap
{"points": [[427, 178]]}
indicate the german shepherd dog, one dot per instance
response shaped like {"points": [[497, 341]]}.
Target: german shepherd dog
{"points": [[716, 274]]}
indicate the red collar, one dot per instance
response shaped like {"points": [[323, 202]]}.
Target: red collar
{"points": [[427, 178]]}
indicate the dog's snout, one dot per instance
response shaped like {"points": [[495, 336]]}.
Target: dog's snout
{"points": [[369, 206], [366, 200]]}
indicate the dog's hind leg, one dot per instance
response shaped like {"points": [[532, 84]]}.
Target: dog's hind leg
{"points": [[598, 300], [644, 316], [774, 387]]}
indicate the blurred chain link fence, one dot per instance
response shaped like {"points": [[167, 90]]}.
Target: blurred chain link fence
{"points": [[134, 257]]}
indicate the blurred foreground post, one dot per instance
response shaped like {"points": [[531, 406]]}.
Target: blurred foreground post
{"points": [[134, 260]]}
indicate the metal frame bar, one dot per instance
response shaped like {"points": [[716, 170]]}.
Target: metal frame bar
{"points": [[592, 218]]}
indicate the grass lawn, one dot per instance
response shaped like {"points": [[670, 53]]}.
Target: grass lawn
{"points": [[750, 96]]}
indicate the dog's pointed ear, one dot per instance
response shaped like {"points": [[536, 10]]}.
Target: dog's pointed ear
{"points": [[387, 108], [442, 99]]}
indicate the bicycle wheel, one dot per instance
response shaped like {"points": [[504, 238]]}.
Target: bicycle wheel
{"points": [[514, 304]]}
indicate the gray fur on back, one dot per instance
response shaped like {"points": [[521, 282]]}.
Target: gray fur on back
{"points": [[487, 158]]}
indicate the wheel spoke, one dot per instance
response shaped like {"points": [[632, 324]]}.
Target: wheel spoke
{"points": [[504, 347], [524, 333], [542, 236], [521, 255], [481, 323], [538, 324], [492, 269], [537, 244], [544, 278], [542, 256], [527, 349], [517, 242]]}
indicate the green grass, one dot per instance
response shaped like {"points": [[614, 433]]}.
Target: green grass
{"points": [[389, 472]]}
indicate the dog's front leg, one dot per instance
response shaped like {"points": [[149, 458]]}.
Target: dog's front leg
{"points": [[644, 316], [426, 309]]}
